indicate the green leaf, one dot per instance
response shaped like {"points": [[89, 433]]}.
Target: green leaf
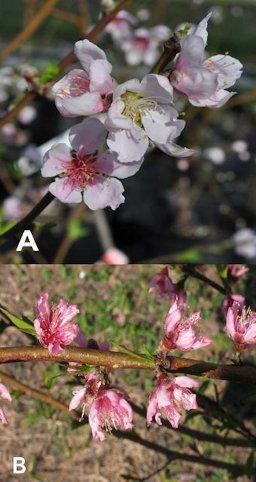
{"points": [[21, 324], [75, 230], [50, 72]]}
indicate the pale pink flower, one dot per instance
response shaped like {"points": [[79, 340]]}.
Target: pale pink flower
{"points": [[85, 92], [232, 298], [144, 46], [164, 286], [121, 26], [170, 397], [141, 113], [109, 410], [235, 271], [241, 326], [4, 395], [13, 208], [54, 324], [114, 256], [180, 331], [204, 81], [84, 174]]}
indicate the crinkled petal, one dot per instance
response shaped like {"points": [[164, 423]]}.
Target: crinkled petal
{"points": [[132, 85], [4, 393], [201, 29], [228, 69], [63, 190], [216, 100], [115, 117], [103, 192], [3, 418], [186, 382]]}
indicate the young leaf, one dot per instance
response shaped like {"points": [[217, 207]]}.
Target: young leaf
{"points": [[21, 324]]}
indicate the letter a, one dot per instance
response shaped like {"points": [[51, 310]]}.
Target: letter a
{"points": [[27, 241]]}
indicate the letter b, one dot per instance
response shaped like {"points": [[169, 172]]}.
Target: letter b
{"points": [[18, 465]]}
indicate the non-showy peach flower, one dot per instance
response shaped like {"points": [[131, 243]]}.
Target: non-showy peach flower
{"points": [[241, 326], [54, 323], [180, 331], [169, 398], [4, 395]]}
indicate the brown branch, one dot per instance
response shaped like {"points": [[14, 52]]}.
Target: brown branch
{"points": [[190, 270], [64, 63], [33, 25], [113, 360], [235, 469], [171, 48]]}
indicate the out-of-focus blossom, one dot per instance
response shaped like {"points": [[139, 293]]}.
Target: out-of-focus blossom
{"points": [[84, 174], [180, 331], [30, 161], [109, 410], [144, 46], [241, 326], [204, 81], [27, 114], [13, 208], [235, 271], [245, 243], [143, 14], [169, 398], [114, 256], [4, 395], [120, 27], [164, 286], [54, 324], [85, 92], [215, 154], [230, 299], [10, 131], [141, 112]]}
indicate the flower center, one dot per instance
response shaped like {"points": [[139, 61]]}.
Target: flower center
{"points": [[80, 170], [78, 85], [135, 105]]}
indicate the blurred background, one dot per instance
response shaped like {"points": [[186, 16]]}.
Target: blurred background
{"points": [[200, 209]]}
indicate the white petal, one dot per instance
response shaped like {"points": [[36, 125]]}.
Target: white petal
{"points": [[130, 146], [157, 87], [87, 52], [62, 190], [103, 192], [55, 159], [89, 134], [161, 125]]}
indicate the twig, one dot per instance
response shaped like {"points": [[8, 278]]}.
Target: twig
{"points": [[190, 270], [114, 360], [171, 48]]}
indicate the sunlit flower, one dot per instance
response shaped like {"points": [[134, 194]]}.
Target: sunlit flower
{"points": [[165, 287], [54, 324], [82, 173], [109, 410], [169, 398], [232, 298], [180, 331], [237, 270], [241, 326], [85, 92]]}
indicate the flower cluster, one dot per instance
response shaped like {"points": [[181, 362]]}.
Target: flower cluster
{"points": [[132, 116]]}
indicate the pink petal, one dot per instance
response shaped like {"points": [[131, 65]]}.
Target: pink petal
{"points": [[55, 160], [103, 192], [63, 190], [88, 136]]}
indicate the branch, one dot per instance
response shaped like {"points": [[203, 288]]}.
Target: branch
{"points": [[171, 48], [29, 29], [201, 277], [29, 218], [233, 468], [114, 360]]}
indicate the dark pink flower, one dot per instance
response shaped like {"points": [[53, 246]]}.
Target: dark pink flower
{"points": [[109, 410], [230, 299], [86, 394], [54, 324], [235, 271], [180, 331], [4, 395], [164, 286], [169, 397], [241, 326]]}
